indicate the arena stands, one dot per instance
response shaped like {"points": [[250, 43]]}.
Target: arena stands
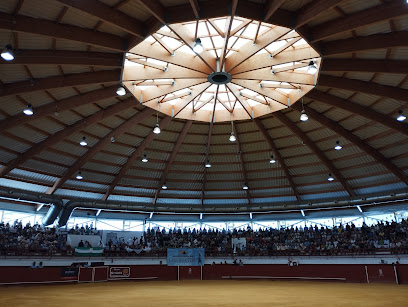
{"points": [[381, 237]]}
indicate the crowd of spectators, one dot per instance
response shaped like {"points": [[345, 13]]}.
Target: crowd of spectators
{"points": [[84, 230], [269, 241], [31, 239]]}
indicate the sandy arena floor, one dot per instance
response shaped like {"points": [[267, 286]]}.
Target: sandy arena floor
{"points": [[205, 293]]}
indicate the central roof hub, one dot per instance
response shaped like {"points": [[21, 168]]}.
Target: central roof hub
{"points": [[219, 77]]}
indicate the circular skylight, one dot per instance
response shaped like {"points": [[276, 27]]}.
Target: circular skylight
{"points": [[245, 69]]}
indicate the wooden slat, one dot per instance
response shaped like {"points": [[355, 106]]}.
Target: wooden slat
{"points": [[60, 81], [308, 142], [169, 163], [107, 14], [48, 28], [136, 154], [334, 126], [60, 105], [62, 134], [313, 9], [359, 109], [386, 11], [278, 156], [106, 140]]}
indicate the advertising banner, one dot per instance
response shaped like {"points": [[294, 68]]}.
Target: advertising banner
{"points": [[119, 272], [185, 256], [69, 273]]}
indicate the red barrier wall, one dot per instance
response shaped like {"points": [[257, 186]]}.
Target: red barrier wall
{"points": [[340, 273], [162, 272], [28, 275], [189, 272], [85, 275]]}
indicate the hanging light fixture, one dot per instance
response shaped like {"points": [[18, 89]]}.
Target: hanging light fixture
{"points": [[245, 187], [311, 69], [272, 160], [83, 142], [164, 186], [232, 137], [401, 117], [113, 139], [156, 129], [303, 116], [198, 46], [144, 159], [7, 54], [208, 164], [121, 91], [79, 176], [330, 178], [28, 110], [338, 146]]}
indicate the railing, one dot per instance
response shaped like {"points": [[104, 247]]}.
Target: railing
{"points": [[227, 254]]}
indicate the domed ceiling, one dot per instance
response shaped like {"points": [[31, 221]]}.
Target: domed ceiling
{"points": [[70, 58]]}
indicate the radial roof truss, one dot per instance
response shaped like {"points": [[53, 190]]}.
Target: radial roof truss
{"points": [[69, 70], [166, 64]]}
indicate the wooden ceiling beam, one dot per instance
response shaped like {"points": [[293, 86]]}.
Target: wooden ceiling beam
{"points": [[248, 50], [106, 140], [267, 92], [107, 14], [64, 133], [49, 28], [370, 88], [263, 60], [58, 106], [278, 156], [99, 77], [207, 153], [313, 9], [150, 95], [361, 65], [196, 8], [136, 154], [173, 154], [62, 57], [155, 8], [386, 11], [183, 103], [208, 9], [359, 109], [365, 43], [188, 39], [308, 142], [134, 73], [234, 90], [340, 130], [227, 32], [188, 61], [242, 163], [271, 7], [265, 74]]}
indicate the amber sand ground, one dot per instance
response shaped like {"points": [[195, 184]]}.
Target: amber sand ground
{"points": [[205, 293]]}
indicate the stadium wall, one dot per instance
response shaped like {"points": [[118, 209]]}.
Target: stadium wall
{"points": [[354, 273]]}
